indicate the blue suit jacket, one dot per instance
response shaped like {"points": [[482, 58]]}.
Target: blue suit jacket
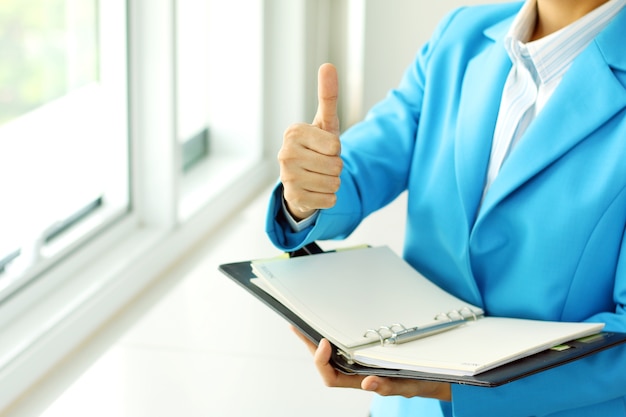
{"points": [[545, 243]]}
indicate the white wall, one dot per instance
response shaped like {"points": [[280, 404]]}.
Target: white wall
{"points": [[392, 33]]}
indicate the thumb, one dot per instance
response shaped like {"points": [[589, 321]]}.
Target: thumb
{"points": [[327, 93]]}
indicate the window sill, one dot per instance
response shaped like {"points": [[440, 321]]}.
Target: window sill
{"points": [[210, 178], [36, 340]]}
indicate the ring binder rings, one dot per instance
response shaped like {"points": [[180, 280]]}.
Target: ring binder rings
{"points": [[346, 361], [388, 335]]}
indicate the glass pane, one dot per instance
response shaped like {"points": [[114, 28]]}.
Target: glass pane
{"points": [[192, 69], [63, 128], [48, 49]]}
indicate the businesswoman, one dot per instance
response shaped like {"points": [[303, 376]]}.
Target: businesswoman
{"points": [[509, 133]]}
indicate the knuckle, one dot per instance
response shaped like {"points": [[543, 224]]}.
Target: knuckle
{"points": [[284, 155], [293, 132], [331, 200], [339, 165], [334, 146], [335, 166], [335, 184], [287, 155], [331, 185]]}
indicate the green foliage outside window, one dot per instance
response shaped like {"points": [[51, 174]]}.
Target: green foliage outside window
{"points": [[47, 49]]}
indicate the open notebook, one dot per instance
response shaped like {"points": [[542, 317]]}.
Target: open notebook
{"points": [[381, 313]]}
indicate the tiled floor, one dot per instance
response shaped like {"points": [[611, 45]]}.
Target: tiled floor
{"points": [[197, 345]]}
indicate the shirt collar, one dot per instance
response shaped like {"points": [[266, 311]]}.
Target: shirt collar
{"points": [[549, 58]]}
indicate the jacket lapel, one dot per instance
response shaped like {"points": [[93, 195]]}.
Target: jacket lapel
{"points": [[588, 96], [478, 110]]}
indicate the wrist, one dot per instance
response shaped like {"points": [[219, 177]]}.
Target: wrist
{"points": [[299, 215], [298, 224]]}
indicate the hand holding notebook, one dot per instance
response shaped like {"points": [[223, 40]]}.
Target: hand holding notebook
{"points": [[384, 318], [365, 301]]}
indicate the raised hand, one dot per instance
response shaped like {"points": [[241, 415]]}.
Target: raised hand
{"points": [[310, 162]]}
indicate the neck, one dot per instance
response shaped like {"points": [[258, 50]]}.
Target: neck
{"points": [[553, 15]]}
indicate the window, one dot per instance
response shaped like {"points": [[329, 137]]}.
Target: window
{"points": [[219, 88], [63, 134], [49, 49], [168, 120], [192, 76]]}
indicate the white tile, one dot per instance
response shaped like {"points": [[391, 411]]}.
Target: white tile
{"points": [[129, 382], [209, 312]]}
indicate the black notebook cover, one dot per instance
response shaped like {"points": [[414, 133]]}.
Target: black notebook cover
{"points": [[241, 273]]}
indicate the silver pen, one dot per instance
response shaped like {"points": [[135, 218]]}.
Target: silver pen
{"points": [[413, 333]]}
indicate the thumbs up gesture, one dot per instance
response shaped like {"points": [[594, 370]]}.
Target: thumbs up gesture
{"points": [[310, 162]]}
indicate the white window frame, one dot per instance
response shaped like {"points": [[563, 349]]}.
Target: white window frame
{"points": [[44, 130], [42, 324]]}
